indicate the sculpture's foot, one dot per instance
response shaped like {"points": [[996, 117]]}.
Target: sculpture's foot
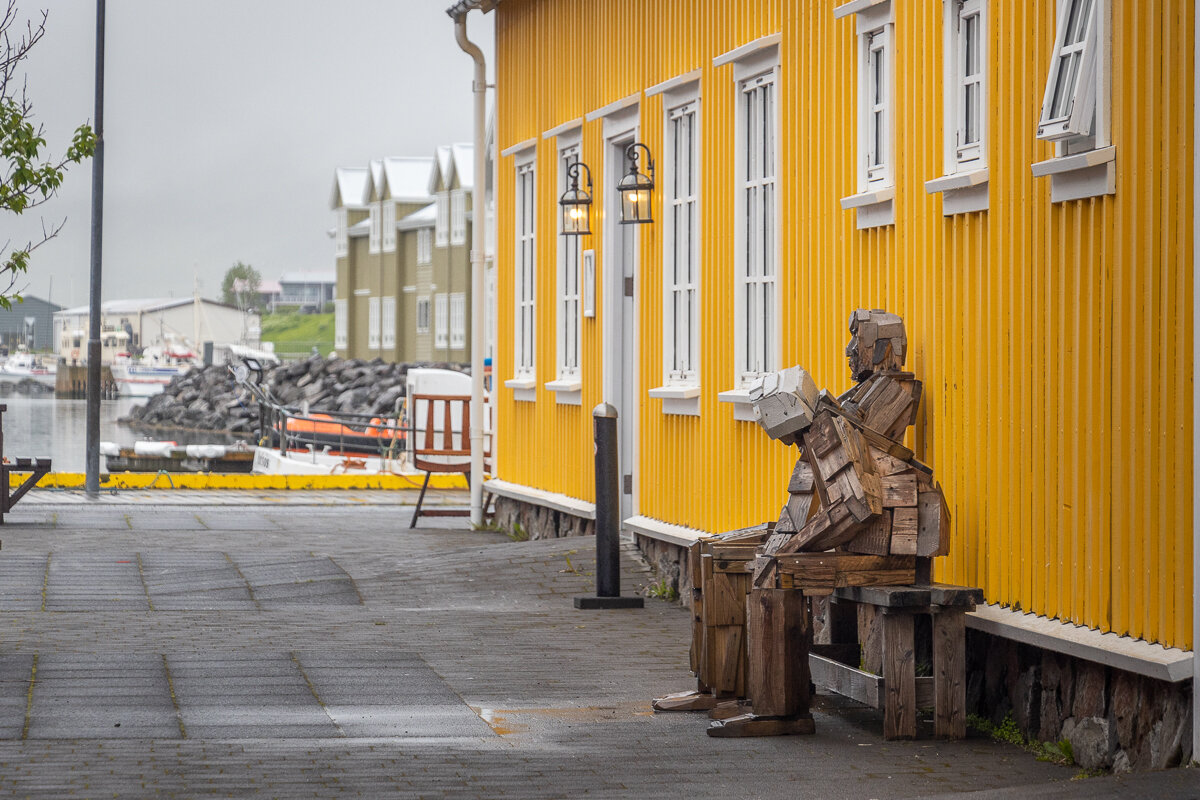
{"points": [[686, 701], [726, 709], [752, 725]]}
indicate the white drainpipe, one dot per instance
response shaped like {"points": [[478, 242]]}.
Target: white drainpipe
{"points": [[479, 218]]}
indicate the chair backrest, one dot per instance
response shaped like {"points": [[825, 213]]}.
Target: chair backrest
{"points": [[442, 433]]}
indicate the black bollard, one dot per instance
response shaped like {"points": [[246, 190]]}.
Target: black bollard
{"points": [[608, 516]]}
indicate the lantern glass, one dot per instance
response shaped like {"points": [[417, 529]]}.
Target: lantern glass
{"points": [[576, 218], [635, 190]]}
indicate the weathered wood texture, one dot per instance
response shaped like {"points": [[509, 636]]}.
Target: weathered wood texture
{"points": [[780, 634], [899, 670], [950, 674]]}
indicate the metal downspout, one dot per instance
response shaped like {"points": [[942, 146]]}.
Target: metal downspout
{"points": [[1195, 372], [479, 88]]}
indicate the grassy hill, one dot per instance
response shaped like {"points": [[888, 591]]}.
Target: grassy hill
{"points": [[296, 334]]}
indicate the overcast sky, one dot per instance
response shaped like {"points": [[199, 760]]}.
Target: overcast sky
{"points": [[224, 121]]}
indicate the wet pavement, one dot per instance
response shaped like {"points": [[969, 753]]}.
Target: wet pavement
{"points": [[274, 644]]}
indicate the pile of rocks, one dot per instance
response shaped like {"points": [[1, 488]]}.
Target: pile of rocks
{"points": [[210, 399]]}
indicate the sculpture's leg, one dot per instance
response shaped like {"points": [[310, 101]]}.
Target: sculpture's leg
{"points": [[778, 680]]}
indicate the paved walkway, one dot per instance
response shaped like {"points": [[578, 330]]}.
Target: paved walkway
{"points": [[166, 644]]}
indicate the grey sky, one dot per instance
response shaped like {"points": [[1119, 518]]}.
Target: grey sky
{"points": [[224, 120]]}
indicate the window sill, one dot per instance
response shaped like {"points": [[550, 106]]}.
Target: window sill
{"points": [[680, 398], [743, 408], [874, 208], [962, 192], [566, 391], [1083, 175], [524, 389]]}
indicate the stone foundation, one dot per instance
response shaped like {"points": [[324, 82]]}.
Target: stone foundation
{"points": [[1113, 719], [538, 521]]}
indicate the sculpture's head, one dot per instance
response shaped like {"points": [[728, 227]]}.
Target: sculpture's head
{"points": [[877, 343]]}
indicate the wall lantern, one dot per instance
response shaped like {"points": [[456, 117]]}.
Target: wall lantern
{"points": [[636, 187], [576, 202]]}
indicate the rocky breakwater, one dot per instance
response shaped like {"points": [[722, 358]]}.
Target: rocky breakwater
{"points": [[210, 399]]}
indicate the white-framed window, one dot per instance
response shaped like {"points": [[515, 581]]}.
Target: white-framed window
{"points": [[423, 314], [389, 226], [341, 329], [757, 335], [442, 226], [372, 323], [964, 181], [458, 320], [389, 323], [876, 107], [441, 321], [681, 251], [376, 227], [424, 246], [525, 263], [341, 242], [568, 322], [1069, 104], [1076, 104], [458, 217]]}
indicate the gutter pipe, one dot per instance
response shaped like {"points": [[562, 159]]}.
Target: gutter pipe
{"points": [[479, 219]]}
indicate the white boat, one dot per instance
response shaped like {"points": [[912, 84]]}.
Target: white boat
{"points": [[21, 365], [150, 374]]}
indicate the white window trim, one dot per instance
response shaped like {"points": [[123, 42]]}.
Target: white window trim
{"points": [[389, 226], [373, 323], [424, 245], [760, 63], [567, 383], [458, 217], [524, 380], [442, 224], [422, 320], [964, 183], [373, 237], [680, 392], [874, 204], [1072, 177], [388, 337], [441, 321], [340, 324], [458, 320], [342, 238]]}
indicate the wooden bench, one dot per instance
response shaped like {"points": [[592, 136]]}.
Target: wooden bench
{"points": [[898, 690], [447, 450], [37, 467]]}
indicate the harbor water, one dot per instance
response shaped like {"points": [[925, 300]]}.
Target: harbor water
{"points": [[40, 426]]}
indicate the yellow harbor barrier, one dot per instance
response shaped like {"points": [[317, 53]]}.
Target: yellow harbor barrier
{"points": [[189, 480]]}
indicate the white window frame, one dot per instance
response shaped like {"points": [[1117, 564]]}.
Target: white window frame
{"points": [[441, 321], [388, 336], [341, 328], [423, 310], [373, 237], [389, 226], [568, 320], [876, 41], [524, 276], [964, 182], [458, 320], [458, 217], [1084, 164], [680, 391], [341, 242], [424, 245], [372, 323], [442, 222], [757, 337]]}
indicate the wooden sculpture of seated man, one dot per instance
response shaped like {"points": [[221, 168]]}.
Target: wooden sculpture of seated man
{"points": [[856, 490]]}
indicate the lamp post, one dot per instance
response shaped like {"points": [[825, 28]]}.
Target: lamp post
{"points": [[636, 187], [92, 446]]}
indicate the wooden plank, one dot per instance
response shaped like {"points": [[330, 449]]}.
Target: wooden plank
{"points": [[863, 687], [876, 538], [912, 597], [950, 674], [726, 601], [729, 644], [695, 652], [875, 577], [904, 531], [899, 671], [802, 478], [849, 654], [780, 635], [899, 490], [945, 594], [793, 562]]}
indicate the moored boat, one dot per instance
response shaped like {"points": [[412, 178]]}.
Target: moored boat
{"points": [[21, 365], [150, 373]]}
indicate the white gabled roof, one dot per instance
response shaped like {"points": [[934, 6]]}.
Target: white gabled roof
{"points": [[378, 187], [349, 187], [408, 178], [464, 164], [309, 277], [134, 306], [445, 168], [423, 218]]}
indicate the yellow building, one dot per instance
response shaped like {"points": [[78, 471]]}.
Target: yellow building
{"points": [[1013, 177]]}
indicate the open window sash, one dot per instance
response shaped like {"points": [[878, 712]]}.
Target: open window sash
{"points": [[1070, 100]]}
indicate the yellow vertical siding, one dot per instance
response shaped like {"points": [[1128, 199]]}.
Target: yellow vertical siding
{"points": [[1054, 340]]}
